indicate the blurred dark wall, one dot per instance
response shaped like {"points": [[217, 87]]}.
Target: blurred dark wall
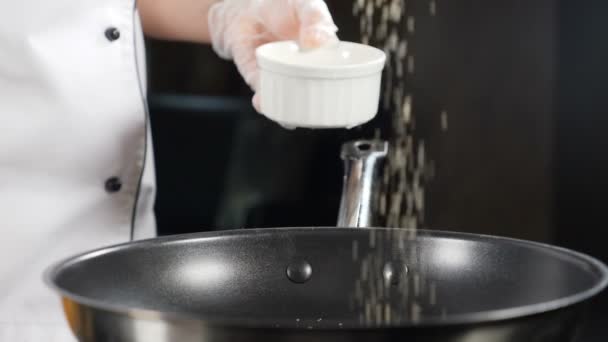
{"points": [[192, 150], [582, 126], [495, 164], [582, 141]]}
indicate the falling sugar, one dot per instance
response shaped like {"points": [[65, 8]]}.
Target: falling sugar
{"points": [[411, 24], [444, 120], [411, 64], [415, 313], [391, 25], [395, 11]]}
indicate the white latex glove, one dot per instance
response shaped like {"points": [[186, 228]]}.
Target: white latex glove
{"points": [[238, 27]]}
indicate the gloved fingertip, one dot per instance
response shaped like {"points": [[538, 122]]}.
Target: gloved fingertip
{"points": [[316, 38], [255, 101], [255, 81]]}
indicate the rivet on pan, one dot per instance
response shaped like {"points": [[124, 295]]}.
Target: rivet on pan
{"points": [[299, 271], [393, 272]]}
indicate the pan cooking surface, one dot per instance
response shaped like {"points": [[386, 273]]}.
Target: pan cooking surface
{"points": [[331, 277]]}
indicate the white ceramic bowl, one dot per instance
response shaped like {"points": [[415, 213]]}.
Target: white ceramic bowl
{"points": [[331, 87]]}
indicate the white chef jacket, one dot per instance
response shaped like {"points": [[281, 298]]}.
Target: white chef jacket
{"points": [[76, 169]]}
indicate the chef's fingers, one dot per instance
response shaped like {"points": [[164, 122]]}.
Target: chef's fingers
{"points": [[317, 27], [247, 37]]}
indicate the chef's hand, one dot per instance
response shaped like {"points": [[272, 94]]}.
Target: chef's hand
{"points": [[238, 27]]}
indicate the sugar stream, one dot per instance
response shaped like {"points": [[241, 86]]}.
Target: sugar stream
{"points": [[391, 25]]}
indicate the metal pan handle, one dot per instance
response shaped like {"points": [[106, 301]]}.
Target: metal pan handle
{"points": [[362, 162]]}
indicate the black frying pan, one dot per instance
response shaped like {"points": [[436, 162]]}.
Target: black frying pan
{"points": [[329, 284]]}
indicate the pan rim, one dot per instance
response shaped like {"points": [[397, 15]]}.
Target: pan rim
{"points": [[482, 317]]}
